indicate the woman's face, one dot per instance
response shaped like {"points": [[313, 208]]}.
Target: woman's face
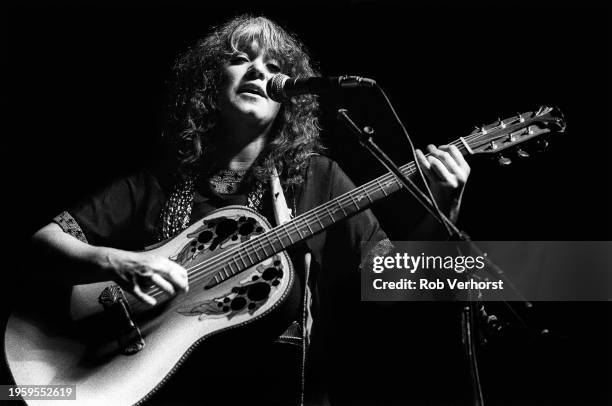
{"points": [[242, 93]]}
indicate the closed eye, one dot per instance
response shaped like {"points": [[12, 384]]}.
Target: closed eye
{"points": [[238, 59]]}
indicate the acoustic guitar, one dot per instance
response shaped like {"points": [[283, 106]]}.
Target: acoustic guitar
{"points": [[119, 351]]}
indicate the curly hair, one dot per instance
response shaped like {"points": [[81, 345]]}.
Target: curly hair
{"points": [[194, 108]]}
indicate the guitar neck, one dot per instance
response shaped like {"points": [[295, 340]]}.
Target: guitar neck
{"points": [[313, 222], [489, 140], [342, 207]]}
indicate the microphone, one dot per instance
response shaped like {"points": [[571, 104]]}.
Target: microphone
{"points": [[282, 87]]}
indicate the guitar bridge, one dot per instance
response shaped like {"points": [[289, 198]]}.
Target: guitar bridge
{"points": [[129, 338]]}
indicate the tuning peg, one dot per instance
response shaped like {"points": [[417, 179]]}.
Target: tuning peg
{"points": [[521, 118], [503, 161], [521, 153], [368, 130], [501, 123]]}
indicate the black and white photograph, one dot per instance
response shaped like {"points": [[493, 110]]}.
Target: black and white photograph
{"points": [[361, 202]]}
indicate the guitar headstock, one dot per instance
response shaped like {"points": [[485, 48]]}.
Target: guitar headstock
{"points": [[500, 138]]}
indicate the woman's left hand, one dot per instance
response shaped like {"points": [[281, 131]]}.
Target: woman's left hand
{"points": [[447, 172]]}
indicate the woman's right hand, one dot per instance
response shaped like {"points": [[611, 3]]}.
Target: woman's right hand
{"points": [[136, 272]]}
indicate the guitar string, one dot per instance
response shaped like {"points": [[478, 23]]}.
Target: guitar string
{"points": [[306, 218], [256, 245], [211, 266]]}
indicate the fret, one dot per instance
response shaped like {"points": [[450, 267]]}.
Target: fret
{"points": [[354, 202], [343, 209], [270, 241], [288, 234], [236, 263], [330, 213], [381, 187], [279, 239], [263, 247], [298, 229], [318, 220], [216, 280], [249, 256], [365, 189], [242, 260], [229, 265], [256, 254], [225, 272], [308, 225]]}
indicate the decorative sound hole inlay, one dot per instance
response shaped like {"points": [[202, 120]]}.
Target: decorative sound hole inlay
{"points": [[218, 233], [247, 296]]}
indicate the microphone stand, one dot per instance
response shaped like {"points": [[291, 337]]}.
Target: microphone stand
{"points": [[364, 137]]}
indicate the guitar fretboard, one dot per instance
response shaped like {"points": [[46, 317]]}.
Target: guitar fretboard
{"points": [[309, 223]]}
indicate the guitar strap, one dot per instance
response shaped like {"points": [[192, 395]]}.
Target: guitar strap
{"points": [[282, 214]]}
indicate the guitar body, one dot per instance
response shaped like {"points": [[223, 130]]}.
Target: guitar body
{"points": [[115, 359]]}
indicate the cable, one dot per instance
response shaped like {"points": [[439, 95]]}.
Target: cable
{"points": [[468, 312], [413, 151]]}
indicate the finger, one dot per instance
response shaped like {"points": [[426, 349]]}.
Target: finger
{"points": [[136, 291], [177, 275], [459, 158], [446, 158], [424, 165], [162, 283], [421, 159], [442, 172]]}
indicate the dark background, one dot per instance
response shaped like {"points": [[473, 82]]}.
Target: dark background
{"points": [[85, 101]]}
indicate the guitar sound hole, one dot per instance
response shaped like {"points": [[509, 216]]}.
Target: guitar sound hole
{"points": [[238, 303], [226, 228], [271, 273], [259, 291], [247, 228], [204, 237]]}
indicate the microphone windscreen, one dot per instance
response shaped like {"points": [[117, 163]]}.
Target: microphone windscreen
{"points": [[275, 87]]}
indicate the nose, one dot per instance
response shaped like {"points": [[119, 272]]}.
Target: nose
{"points": [[257, 69]]}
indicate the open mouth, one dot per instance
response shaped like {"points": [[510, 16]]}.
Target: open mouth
{"points": [[252, 89]]}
